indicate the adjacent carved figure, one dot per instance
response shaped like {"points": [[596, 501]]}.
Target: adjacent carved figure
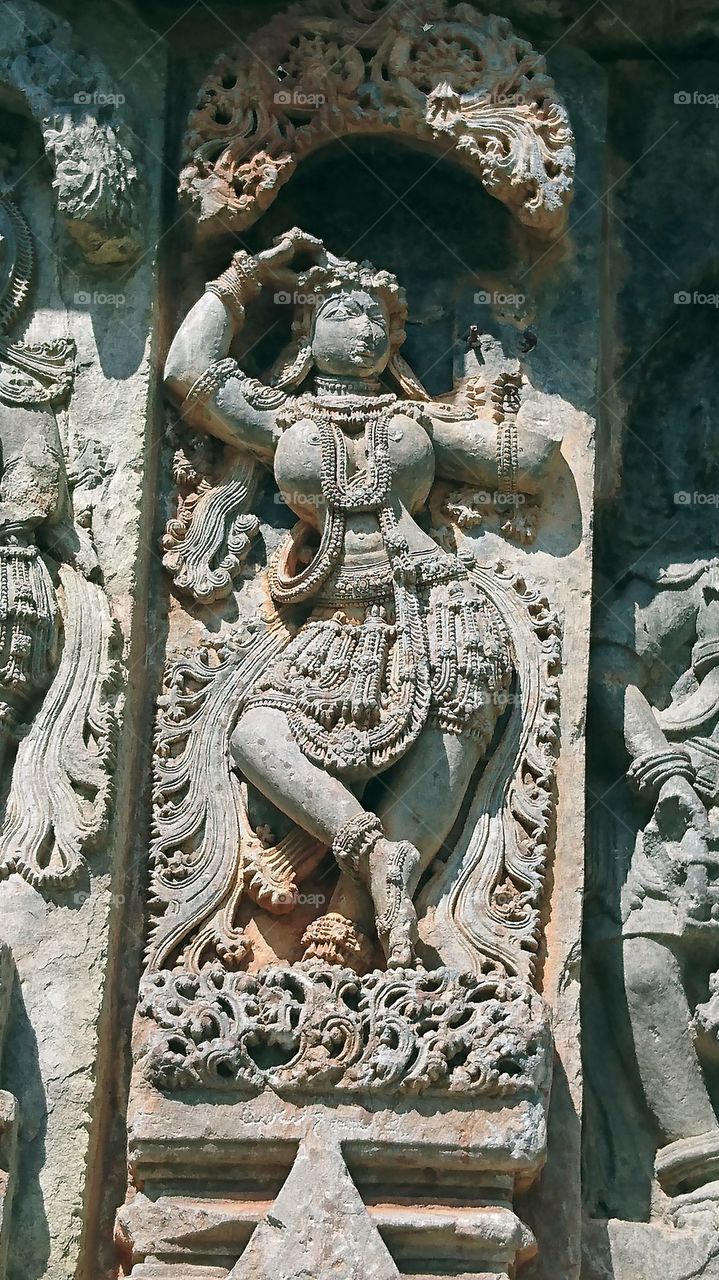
{"points": [[97, 186], [364, 705], [670, 901], [56, 672]]}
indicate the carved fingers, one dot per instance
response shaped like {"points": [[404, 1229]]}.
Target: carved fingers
{"points": [[286, 248], [301, 242]]}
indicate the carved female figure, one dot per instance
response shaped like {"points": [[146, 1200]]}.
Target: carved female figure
{"points": [[367, 727], [670, 899], [55, 626]]}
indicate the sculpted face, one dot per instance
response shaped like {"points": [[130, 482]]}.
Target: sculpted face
{"points": [[351, 335]]}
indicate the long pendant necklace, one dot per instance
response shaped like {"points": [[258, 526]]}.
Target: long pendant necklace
{"points": [[370, 488], [368, 491]]}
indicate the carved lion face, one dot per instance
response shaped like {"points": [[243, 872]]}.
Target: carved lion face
{"points": [[351, 335]]}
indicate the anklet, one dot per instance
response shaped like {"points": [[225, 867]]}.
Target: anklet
{"points": [[354, 842]]}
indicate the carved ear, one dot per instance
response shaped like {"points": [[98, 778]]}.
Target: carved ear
{"points": [[406, 378], [293, 364]]}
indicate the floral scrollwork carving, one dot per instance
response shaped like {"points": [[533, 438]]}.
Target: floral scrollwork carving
{"points": [[207, 541], [331, 68], [311, 1027]]}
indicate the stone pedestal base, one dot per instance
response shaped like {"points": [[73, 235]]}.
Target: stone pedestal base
{"points": [[266, 1188], [616, 1250], [315, 1123]]}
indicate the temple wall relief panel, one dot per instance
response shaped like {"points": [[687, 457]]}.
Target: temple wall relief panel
{"points": [[365, 860], [650, 950]]}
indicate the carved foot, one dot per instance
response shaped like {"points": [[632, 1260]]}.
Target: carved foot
{"points": [[333, 939], [392, 873], [389, 869]]}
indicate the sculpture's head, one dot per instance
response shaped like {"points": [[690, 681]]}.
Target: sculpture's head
{"points": [[351, 334], [349, 323]]}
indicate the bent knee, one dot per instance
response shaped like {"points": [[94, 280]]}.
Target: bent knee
{"points": [[252, 728]]}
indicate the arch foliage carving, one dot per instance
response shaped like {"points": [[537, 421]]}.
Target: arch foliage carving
{"points": [[441, 76], [73, 100]]}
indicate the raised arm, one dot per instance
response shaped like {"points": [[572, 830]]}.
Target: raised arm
{"points": [[212, 390]]}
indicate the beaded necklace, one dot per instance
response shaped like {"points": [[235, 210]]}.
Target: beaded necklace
{"points": [[367, 491]]}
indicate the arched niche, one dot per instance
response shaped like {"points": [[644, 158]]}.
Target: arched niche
{"points": [[428, 221], [445, 78]]}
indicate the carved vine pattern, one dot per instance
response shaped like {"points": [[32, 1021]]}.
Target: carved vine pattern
{"points": [[309, 1028], [441, 75]]}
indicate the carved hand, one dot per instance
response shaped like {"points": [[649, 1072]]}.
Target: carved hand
{"points": [[679, 808], [290, 245]]}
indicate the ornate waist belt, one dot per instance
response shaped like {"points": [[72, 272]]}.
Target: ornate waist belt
{"points": [[369, 584]]}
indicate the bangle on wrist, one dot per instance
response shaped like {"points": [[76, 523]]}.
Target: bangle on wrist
{"points": [[210, 382], [649, 771], [237, 285]]}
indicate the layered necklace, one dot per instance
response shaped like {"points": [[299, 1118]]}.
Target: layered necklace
{"points": [[340, 408]]}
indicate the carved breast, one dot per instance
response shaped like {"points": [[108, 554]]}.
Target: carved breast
{"points": [[298, 461]]}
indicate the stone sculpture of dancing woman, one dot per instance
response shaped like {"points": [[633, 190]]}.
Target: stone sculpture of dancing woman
{"points": [[366, 728]]}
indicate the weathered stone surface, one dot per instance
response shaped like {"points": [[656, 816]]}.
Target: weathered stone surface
{"points": [[265, 743], [96, 179], [408, 1031], [650, 934], [8, 1117], [417, 1165], [617, 1250], [326, 72], [342, 1051], [318, 1223], [61, 1043]]}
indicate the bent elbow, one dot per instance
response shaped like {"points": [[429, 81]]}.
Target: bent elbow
{"points": [[537, 453], [178, 374]]}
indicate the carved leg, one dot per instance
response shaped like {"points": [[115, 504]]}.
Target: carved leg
{"points": [[420, 803], [424, 792], [421, 799], [660, 1016], [267, 755], [392, 874]]}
